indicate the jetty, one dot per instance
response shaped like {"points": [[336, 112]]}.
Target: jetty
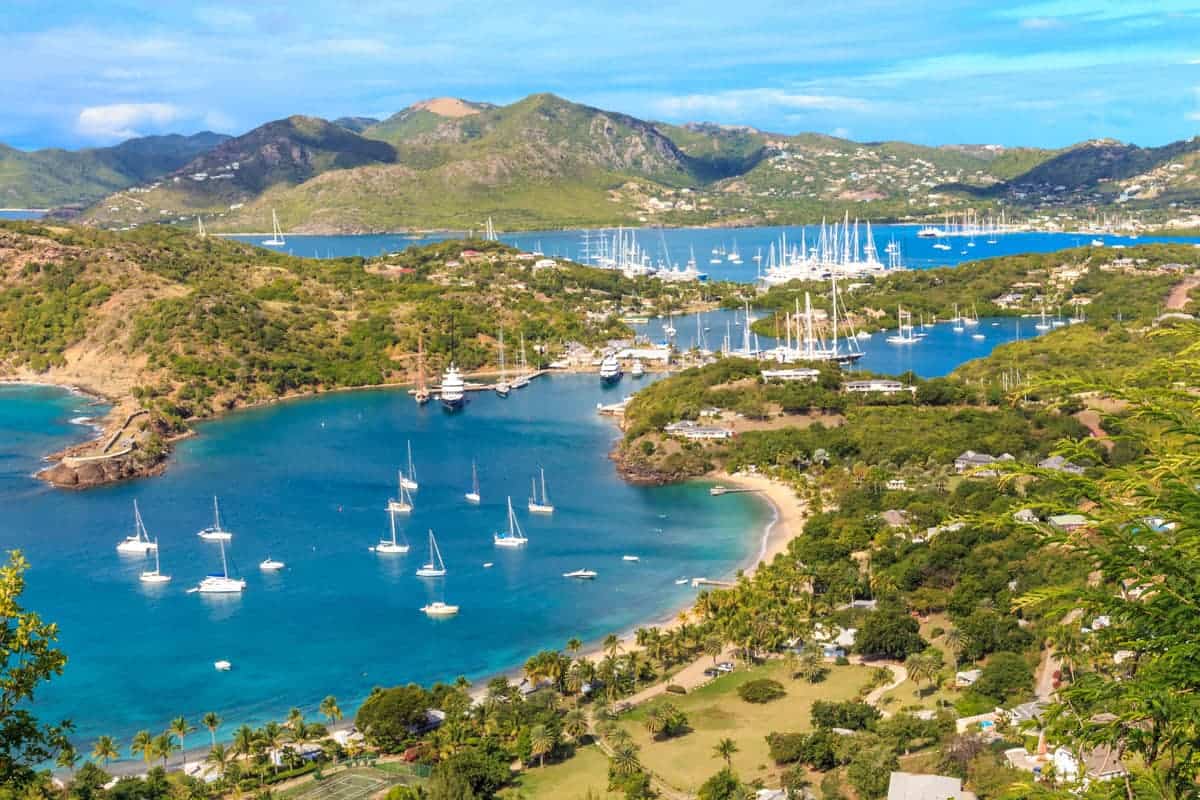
{"points": [[698, 583], [483, 387]]}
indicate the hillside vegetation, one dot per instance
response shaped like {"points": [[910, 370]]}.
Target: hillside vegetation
{"points": [[53, 177]]}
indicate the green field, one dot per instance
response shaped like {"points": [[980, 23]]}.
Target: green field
{"points": [[569, 780], [715, 712]]}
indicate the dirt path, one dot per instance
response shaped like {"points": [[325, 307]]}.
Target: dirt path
{"points": [[1178, 298], [1090, 419], [899, 676]]}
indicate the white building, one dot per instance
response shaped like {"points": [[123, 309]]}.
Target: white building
{"points": [[879, 385]]}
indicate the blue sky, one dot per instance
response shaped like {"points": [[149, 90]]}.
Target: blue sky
{"points": [[1042, 72]]}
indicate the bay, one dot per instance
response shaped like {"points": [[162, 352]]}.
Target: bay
{"points": [[677, 244]]}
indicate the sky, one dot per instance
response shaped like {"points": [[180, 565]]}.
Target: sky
{"points": [[1025, 72]]}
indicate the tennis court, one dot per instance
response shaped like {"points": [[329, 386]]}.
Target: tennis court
{"points": [[352, 785]]}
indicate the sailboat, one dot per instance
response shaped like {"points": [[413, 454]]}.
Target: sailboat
{"points": [[669, 328], [214, 532], [436, 568], [581, 574], [421, 395], [543, 506], [522, 379], [276, 239], [502, 388], [200, 232], [154, 575], [1042, 324], [409, 481], [403, 504], [473, 495], [391, 546], [137, 543], [905, 333], [221, 584], [972, 319], [958, 321], [514, 536]]}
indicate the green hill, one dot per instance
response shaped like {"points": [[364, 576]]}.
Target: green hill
{"points": [[53, 177]]}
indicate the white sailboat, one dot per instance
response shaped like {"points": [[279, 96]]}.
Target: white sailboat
{"points": [[391, 546], [522, 379], [502, 387], [514, 537], [409, 481], [958, 321], [269, 564], [154, 575], [972, 319], [276, 239], [542, 505], [436, 568], [1042, 324], [473, 495], [214, 532], [638, 369], [221, 584], [137, 543], [905, 334], [404, 504]]}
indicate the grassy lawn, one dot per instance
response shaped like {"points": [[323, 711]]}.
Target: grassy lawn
{"points": [[715, 712], [356, 783], [569, 780], [905, 696]]}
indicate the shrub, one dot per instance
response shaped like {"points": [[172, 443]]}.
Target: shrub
{"points": [[785, 747], [763, 690], [852, 714]]}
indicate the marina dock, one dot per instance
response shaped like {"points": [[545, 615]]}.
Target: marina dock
{"points": [[482, 387]]}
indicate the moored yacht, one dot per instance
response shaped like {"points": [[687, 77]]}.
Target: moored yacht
{"points": [[391, 546], [439, 609], [581, 574], [138, 542], [154, 575], [638, 369], [473, 495], [453, 393], [540, 505], [221, 583], [610, 369], [214, 532], [269, 564], [435, 568], [409, 481], [403, 504], [514, 536]]}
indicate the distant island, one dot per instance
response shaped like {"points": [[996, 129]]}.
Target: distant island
{"points": [[546, 162]]}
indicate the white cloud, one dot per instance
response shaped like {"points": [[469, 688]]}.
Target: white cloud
{"points": [[1194, 116], [746, 102], [123, 120]]}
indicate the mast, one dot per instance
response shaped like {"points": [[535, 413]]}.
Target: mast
{"points": [[392, 520], [216, 514], [412, 473], [421, 389], [475, 482], [224, 563], [544, 501]]}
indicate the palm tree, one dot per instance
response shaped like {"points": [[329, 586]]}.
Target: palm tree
{"points": [[244, 740], [725, 749], [219, 757], [920, 669], [163, 745], [141, 745], [625, 759], [612, 645], [574, 724], [329, 708], [954, 641], [212, 722], [180, 727], [541, 742], [713, 646], [655, 722], [574, 645], [105, 750], [272, 737], [295, 721]]}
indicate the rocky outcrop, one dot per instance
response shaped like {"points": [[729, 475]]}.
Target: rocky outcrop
{"points": [[87, 474]]}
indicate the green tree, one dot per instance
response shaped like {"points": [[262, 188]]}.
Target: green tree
{"points": [[219, 757], [574, 724], [725, 785], [143, 745], [541, 743], [725, 750], [211, 721], [163, 745], [105, 750], [330, 709], [180, 727], [28, 658], [889, 633], [870, 769]]}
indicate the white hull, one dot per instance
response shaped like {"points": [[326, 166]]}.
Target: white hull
{"points": [[440, 610], [222, 666], [398, 508], [136, 547], [538, 508], [154, 577], [215, 584], [430, 572], [472, 497], [630, 558], [505, 541], [581, 574], [271, 565], [387, 548], [210, 535], [411, 485]]}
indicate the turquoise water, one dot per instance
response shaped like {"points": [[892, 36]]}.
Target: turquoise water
{"points": [[938, 354], [677, 244], [21, 213], [306, 482]]}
